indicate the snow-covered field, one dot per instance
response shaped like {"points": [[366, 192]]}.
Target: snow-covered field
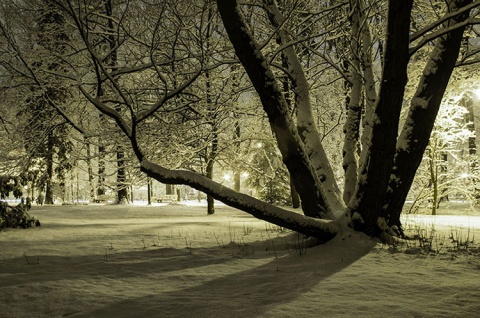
{"points": [[175, 261]]}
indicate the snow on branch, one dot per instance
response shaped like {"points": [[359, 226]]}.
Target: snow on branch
{"points": [[447, 17], [319, 228]]}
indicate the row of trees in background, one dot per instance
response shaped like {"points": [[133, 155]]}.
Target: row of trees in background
{"points": [[308, 101], [56, 136]]}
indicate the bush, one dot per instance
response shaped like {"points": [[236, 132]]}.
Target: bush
{"points": [[16, 216]]}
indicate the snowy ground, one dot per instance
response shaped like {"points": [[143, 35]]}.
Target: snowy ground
{"points": [[175, 261]]}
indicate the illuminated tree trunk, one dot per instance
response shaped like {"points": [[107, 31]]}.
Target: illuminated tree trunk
{"points": [[305, 123], [307, 183], [416, 131]]}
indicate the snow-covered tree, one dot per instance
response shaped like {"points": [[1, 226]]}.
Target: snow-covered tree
{"points": [[161, 57], [448, 168]]}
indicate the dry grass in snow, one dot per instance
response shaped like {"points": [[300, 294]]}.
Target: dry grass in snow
{"points": [[176, 261]]}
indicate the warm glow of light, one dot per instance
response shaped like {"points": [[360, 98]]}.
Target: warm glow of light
{"points": [[226, 177], [245, 174], [476, 91], [464, 175], [259, 145]]}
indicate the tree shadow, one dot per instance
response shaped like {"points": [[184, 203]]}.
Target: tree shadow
{"points": [[247, 293]]}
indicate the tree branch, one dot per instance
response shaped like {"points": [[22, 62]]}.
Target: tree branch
{"points": [[321, 229]]}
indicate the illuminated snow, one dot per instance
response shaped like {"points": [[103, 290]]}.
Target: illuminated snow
{"points": [[175, 261]]}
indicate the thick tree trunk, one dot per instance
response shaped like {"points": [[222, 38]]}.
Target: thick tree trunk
{"points": [[416, 131], [169, 189], [351, 129], [306, 125], [314, 202], [377, 159]]}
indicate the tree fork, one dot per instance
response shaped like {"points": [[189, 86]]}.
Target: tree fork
{"points": [[377, 159]]}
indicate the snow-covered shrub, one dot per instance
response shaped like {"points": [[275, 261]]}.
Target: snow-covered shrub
{"points": [[16, 216]]}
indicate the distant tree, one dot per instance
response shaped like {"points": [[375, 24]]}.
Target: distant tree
{"points": [[268, 175], [446, 169]]}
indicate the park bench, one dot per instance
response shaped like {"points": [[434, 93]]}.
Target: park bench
{"points": [[166, 198], [102, 198]]}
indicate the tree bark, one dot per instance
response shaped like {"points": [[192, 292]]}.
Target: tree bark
{"points": [[434, 180], [416, 131], [306, 125], [351, 129], [377, 159], [314, 202], [89, 169], [209, 175], [149, 191], [294, 195]]}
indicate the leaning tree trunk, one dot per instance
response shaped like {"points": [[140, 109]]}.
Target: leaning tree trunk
{"points": [[314, 227], [307, 183], [307, 128], [416, 131]]}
